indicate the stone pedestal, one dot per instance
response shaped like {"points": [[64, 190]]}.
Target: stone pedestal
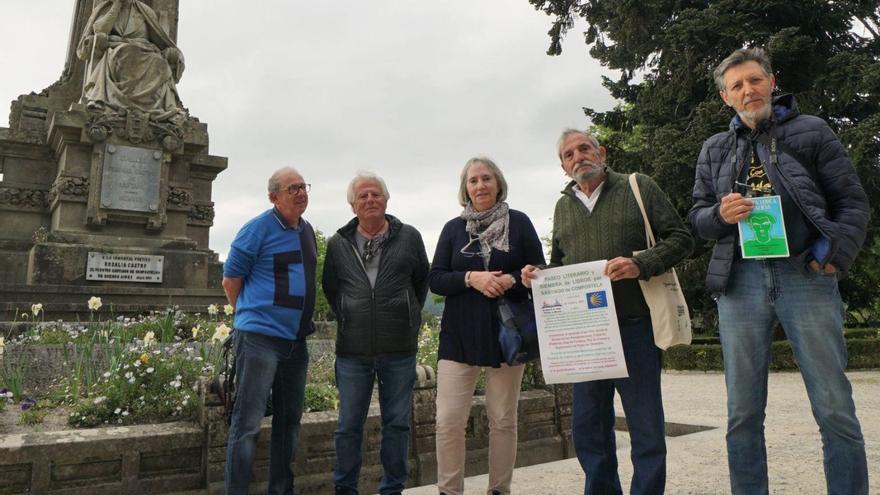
{"points": [[79, 184]]}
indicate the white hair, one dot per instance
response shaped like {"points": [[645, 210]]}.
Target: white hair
{"points": [[363, 176]]}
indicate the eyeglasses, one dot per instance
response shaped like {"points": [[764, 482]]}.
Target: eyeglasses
{"points": [[470, 254], [293, 189], [371, 248]]}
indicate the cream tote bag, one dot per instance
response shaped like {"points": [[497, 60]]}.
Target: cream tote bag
{"points": [[669, 312]]}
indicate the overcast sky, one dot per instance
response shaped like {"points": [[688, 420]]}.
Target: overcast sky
{"points": [[409, 90]]}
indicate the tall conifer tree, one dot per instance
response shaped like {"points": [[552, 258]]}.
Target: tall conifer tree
{"points": [[826, 53]]}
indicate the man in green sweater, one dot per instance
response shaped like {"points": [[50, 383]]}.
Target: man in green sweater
{"points": [[598, 218]]}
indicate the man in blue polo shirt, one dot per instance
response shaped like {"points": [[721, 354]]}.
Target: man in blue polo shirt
{"points": [[269, 277]]}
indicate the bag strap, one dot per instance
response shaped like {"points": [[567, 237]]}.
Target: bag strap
{"points": [[765, 138], [649, 234]]}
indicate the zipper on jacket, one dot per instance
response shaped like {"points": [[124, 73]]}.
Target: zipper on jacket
{"points": [[372, 296]]}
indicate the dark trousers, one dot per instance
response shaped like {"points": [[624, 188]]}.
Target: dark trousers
{"points": [[592, 427]]}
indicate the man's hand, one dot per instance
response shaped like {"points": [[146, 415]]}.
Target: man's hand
{"points": [[734, 207], [621, 268], [490, 284], [829, 268], [528, 273]]}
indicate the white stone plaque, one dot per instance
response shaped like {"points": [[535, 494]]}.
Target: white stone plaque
{"points": [[131, 177], [124, 267]]}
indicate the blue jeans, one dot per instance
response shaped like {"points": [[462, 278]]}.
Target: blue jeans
{"points": [[354, 379], [592, 419], [261, 363], [810, 310]]}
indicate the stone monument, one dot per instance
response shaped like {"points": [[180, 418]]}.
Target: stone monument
{"points": [[106, 178]]}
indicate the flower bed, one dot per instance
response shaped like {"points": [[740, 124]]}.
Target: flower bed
{"points": [[122, 371]]}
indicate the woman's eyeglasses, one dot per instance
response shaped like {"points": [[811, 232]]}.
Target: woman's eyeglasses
{"points": [[471, 254]]}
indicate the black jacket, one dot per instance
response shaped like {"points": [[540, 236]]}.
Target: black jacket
{"points": [[380, 320], [822, 203]]}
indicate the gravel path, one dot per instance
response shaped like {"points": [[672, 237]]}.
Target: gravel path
{"points": [[697, 463]]}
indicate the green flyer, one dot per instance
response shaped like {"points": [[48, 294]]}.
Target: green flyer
{"points": [[762, 234]]}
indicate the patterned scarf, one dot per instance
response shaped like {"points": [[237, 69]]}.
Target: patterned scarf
{"points": [[490, 226]]}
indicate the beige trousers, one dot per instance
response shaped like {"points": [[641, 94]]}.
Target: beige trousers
{"points": [[455, 391]]}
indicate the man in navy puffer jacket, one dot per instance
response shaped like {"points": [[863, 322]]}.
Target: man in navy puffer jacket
{"points": [[771, 149]]}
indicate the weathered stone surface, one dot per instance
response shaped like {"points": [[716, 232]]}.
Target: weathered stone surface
{"points": [[183, 457], [55, 177]]}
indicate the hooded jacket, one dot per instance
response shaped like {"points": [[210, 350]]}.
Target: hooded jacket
{"points": [[824, 205], [383, 319]]}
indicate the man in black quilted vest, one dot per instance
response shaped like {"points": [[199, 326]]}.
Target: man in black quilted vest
{"points": [[773, 150]]}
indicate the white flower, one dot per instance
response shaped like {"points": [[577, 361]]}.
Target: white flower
{"points": [[36, 308], [125, 413], [221, 333], [137, 364], [99, 400], [129, 375], [150, 369], [212, 309], [228, 309], [150, 338], [107, 375], [95, 303], [117, 411]]}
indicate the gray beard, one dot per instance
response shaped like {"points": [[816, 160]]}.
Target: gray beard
{"points": [[754, 117], [591, 173]]}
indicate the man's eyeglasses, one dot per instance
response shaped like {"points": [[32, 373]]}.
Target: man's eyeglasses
{"points": [[371, 247], [293, 189]]}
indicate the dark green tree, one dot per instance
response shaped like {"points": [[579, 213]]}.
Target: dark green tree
{"points": [[322, 308], [826, 53]]}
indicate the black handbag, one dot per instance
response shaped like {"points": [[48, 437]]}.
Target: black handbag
{"points": [[518, 331]]}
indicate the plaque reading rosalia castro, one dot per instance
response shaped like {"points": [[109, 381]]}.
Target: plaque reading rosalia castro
{"points": [[130, 180], [124, 267]]}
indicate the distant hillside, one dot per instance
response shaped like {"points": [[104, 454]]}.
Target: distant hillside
{"points": [[434, 304]]}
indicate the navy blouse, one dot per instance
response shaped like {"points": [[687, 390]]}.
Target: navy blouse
{"points": [[469, 328]]}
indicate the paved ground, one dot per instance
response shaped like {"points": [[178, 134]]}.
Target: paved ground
{"points": [[697, 463]]}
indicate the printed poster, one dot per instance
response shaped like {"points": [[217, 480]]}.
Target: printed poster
{"points": [[762, 233], [577, 324]]}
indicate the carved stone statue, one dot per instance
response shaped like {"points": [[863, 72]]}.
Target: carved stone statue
{"points": [[131, 62]]}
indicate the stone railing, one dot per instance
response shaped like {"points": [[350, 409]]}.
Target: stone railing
{"points": [[189, 458]]}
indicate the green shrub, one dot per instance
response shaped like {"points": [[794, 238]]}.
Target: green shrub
{"points": [[321, 397], [863, 353], [429, 341], [862, 333], [147, 385]]}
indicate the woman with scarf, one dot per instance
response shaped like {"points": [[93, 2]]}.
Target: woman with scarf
{"points": [[478, 258]]}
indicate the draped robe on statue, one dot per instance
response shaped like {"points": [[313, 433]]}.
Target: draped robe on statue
{"points": [[132, 62]]}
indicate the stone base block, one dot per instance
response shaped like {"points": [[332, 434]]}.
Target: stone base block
{"points": [[69, 302]]}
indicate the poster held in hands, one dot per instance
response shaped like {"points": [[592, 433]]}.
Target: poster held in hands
{"points": [[577, 324]]}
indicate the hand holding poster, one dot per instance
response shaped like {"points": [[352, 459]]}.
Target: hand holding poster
{"points": [[577, 324]]}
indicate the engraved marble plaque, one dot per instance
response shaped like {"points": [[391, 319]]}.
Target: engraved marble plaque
{"points": [[124, 267], [131, 178]]}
